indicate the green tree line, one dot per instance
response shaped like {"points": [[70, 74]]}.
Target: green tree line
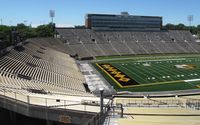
{"points": [[193, 29], [47, 30], [25, 32]]}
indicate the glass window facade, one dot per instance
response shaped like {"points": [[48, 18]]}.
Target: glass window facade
{"points": [[123, 22]]}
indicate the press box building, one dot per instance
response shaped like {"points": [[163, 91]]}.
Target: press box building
{"points": [[124, 21]]}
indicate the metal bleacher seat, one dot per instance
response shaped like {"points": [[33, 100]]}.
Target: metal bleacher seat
{"points": [[47, 70], [104, 43]]}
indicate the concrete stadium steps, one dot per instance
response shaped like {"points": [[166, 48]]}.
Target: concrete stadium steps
{"points": [[137, 48], [43, 75], [16, 84], [125, 43], [149, 47], [162, 47], [81, 50], [83, 35], [195, 46], [100, 37], [108, 49], [181, 36], [94, 49], [187, 47], [121, 48], [55, 44], [112, 36], [69, 36], [126, 36], [165, 36], [22, 57], [152, 36], [139, 36], [174, 47], [40, 74], [47, 69], [59, 55]]}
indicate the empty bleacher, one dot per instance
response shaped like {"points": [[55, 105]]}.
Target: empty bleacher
{"points": [[34, 66], [89, 43]]}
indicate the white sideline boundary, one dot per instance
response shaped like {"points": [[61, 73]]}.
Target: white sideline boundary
{"points": [[160, 60], [192, 80]]}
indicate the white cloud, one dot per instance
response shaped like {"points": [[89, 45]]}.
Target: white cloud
{"points": [[64, 25], [57, 25], [35, 25]]}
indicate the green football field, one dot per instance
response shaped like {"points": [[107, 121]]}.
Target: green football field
{"points": [[151, 73]]}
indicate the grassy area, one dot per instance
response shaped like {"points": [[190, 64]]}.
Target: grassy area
{"points": [[156, 73], [144, 56]]}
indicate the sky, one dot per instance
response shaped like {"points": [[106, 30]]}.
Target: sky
{"points": [[72, 12]]}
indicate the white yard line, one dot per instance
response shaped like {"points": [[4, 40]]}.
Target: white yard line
{"points": [[160, 60]]}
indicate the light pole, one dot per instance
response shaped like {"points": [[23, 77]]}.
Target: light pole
{"points": [[190, 18], [52, 15]]}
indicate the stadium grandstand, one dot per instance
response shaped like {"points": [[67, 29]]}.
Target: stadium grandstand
{"points": [[105, 74], [33, 73], [88, 43]]}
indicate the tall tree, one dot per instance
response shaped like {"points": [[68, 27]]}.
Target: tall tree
{"points": [[170, 26], [45, 30], [4, 34], [181, 27], [25, 31]]}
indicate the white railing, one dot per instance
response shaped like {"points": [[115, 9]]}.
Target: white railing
{"points": [[149, 103], [193, 104], [80, 105]]}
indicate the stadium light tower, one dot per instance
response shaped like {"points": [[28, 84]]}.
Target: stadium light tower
{"points": [[190, 18], [52, 15]]}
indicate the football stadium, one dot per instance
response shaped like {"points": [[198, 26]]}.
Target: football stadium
{"points": [[119, 69], [157, 73]]}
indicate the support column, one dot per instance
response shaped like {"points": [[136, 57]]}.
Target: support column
{"points": [[12, 118], [122, 110], [101, 100]]}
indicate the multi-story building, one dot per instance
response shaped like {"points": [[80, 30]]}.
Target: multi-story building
{"points": [[124, 21]]}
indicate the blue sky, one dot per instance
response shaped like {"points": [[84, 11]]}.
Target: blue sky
{"points": [[72, 12]]}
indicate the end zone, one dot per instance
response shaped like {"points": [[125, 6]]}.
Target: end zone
{"points": [[117, 76]]}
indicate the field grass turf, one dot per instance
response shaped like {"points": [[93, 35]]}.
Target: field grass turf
{"points": [[155, 73]]}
